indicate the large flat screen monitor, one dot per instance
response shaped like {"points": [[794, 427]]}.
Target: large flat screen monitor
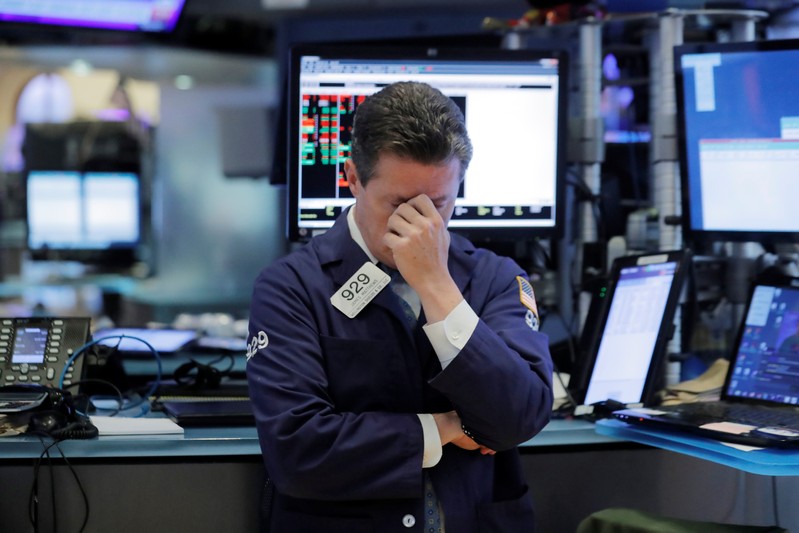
{"points": [[90, 217], [738, 114], [156, 16], [514, 102]]}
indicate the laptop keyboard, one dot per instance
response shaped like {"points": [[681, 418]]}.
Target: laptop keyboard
{"points": [[742, 414]]}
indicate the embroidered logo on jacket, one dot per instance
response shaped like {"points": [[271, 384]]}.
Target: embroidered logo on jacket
{"points": [[258, 342]]}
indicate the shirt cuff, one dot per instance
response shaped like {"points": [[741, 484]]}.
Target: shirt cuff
{"points": [[450, 335], [432, 442]]}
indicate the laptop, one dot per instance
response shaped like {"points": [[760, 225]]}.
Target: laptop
{"points": [[630, 327], [759, 403]]}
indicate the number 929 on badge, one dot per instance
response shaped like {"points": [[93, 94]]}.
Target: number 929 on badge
{"points": [[360, 289]]}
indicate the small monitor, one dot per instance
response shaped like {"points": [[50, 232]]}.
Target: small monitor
{"points": [[154, 16], [626, 357], [92, 217], [738, 116], [514, 103]]}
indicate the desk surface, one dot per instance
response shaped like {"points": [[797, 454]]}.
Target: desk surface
{"points": [[239, 441], [771, 462]]}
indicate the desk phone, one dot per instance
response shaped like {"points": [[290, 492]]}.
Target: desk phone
{"points": [[34, 350]]}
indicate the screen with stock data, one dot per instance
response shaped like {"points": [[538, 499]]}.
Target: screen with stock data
{"points": [[637, 313], [739, 124], [514, 106]]}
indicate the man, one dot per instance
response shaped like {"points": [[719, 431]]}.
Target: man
{"points": [[399, 408]]}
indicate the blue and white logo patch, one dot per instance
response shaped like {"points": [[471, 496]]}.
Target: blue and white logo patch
{"points": [[531, 320]]}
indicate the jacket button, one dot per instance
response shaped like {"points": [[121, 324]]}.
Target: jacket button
{"points": [[408, 520]]}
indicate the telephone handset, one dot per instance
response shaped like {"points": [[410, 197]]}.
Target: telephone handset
{"points": [[35, 350]]}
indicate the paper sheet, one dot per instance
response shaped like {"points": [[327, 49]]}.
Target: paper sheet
{"points": [[119, 425]]}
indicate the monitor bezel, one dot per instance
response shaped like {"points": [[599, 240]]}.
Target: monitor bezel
{"points": [[700, 236], [418, 52]]}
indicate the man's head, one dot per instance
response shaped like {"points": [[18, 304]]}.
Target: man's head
{"points": [[411, 121], [408, 140]]}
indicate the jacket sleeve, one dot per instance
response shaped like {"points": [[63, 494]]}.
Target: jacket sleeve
{"points": [[311, 450], [501, 381]]}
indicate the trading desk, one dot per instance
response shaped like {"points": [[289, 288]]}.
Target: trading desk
{"points": [[770, 462], [209, 480], [238, 441], [776, 479]]}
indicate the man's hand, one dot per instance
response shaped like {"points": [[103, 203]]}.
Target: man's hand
{"points": [[419, 242], [449, 431]]}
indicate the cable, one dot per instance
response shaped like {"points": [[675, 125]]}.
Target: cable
{"points": [[33, 507], [570, 399], [80, 487], [34, 495], [119, 396], [774, 502], [572, 356], [153, 387], [52, 490], [568, 328]]}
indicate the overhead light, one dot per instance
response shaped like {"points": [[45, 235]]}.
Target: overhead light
{"points": [[184, 82]]}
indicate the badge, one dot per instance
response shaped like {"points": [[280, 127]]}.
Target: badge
{"points": [[360, 289], [526, 295], [527, 298]]}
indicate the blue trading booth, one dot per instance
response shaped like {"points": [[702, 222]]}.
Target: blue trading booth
{"points": [[638, 160]]}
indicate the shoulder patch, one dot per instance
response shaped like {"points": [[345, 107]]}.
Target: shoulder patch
{"points": [[527, 296]]}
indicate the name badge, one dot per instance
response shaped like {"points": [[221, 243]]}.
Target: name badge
{"points": [[360, 289]]}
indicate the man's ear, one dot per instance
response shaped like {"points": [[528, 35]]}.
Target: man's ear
{"points": [[352, 177]]}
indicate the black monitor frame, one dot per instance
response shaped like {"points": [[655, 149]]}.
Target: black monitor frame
{"points": [[693, 230], [421, 53]]}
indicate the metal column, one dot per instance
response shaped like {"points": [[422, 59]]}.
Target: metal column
{"points": [[663, 121]]}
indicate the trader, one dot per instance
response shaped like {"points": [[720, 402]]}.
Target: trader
{"points": [[398, 408]]}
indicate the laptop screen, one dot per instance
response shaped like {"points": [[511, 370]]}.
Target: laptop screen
{"points": [[628, 342], [766, 365]]}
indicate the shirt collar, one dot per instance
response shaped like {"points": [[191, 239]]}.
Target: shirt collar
{"points": [[356, 235]]}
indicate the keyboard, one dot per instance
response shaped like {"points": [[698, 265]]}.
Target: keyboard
{"points": [[743, 414]]}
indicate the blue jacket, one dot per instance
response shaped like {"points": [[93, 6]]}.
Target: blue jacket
{"points": [[335, 399]]}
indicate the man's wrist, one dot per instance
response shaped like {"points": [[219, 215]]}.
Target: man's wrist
{"points": [[469, 433], [449, 426]]}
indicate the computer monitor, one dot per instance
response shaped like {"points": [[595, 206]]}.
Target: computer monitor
{"points": [[514, 103], [90, 217], [152, 16], [738, 116], [625, 359]]}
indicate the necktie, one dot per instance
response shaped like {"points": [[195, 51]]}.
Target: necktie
{"points": [[406, 296], [433, 521]]}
